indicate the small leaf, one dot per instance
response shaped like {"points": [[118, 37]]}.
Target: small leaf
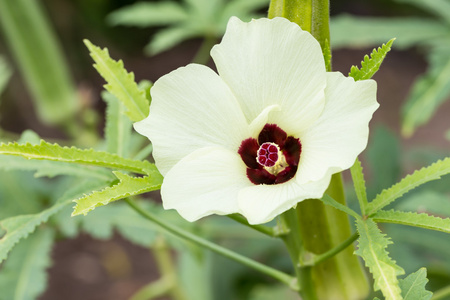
{"points": [[146, 14], [117, 126], [54, 152], [369, 66], [127, 186], [359, 184], [372, 248], [413, 286], [413, 219], [120, 83], [23, 276], [165, 39], [331, 202], [419, 177]]}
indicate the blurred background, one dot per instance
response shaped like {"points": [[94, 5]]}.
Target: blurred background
{"points": [[48, 85]]}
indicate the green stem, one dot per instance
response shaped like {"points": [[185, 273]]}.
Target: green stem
{"points": [[311, 15], [202, 56], [261, 228], [320, 27], [284, 278], [289, 222], [324, 256]]}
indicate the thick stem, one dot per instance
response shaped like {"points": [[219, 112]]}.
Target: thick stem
{"points": [[324, 229]]}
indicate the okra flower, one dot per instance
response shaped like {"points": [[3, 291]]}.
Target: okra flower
{"points": [[263, 134]]}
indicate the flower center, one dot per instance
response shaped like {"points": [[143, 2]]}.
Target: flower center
{"points": [[272, 158]]}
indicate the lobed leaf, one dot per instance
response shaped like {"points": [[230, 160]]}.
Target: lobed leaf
{"points": [[359, 184], [427, 94], [413, 219], [54, 152], [120, 83], [127, 186], [413, 286], [372, 246], [419, 177], [369, 66], [23, 275], [19, 227]]}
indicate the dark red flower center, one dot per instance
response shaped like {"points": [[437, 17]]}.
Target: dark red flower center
{"points": [[273, 158]]}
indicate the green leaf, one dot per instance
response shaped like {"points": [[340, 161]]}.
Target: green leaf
{"points": [[413, 286], [419, 177], [120, 83], [146, 14], [167, 38], [50, 169], [427, 201], [372, 246], [428, 93], [359, 184], [5, 74], [36, 50], [21, 226], [413, 219], [127, 186], [331, 202], [369, 66], [357, 32], [54, 152], [118, 126], [23, 276], [436, 7]]}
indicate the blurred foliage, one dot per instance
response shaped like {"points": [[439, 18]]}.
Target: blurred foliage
{"points": [[431, 34], [37, 52], [36, 196], [185, 20]]}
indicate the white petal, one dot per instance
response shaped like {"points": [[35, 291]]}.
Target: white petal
{"points": [[261, 203], [205, 182], [341, 133], [268, 62], [191, 108]]}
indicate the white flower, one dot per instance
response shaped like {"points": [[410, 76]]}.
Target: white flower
{"points": [[272, 105]]}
